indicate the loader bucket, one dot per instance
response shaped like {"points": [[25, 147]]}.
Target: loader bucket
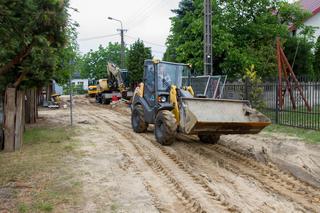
{"points": [[220, 117]]}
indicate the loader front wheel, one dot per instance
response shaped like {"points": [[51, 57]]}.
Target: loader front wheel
{"points": [[137, 120], [209, 138], [165, 128]]}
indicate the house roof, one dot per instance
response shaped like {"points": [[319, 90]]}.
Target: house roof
{"points": [[312, 6]]}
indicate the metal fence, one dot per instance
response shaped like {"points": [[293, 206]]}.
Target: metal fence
{"points": [[208, 86], [264, 97], [266, 101]]}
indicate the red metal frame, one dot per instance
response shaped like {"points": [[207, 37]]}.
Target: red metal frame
{"points": [[285, 70]]}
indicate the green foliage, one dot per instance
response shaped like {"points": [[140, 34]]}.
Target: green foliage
{"points": [[136, 56], [76, 89], [256, 91], [311, 136], [185, 41], [244, 33], [317, 59], [94, 63], [39, 135], [299, 53], [68, 58], [32, 32]]}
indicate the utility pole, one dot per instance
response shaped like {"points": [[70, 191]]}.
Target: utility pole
{"points": [[122, 41], [207, 37], [70, 87]]}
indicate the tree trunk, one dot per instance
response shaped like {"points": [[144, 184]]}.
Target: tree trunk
{"points": [[31, 106], [24, 112], [9, 119], [39, 96], [36, 103], [13, 119], [27, 106], [19, 126]]}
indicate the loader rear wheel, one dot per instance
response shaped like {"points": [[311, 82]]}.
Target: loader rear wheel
{"points": [[137, 120], [165, 128], [209, 138]]}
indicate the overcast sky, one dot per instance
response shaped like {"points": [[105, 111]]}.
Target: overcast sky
{"points": [[144, 19]]}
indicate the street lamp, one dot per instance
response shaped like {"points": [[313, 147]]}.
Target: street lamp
{"points": [[122, 40]]}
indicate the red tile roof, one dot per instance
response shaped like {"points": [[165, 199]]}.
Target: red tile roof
{"points": [[312, 6]]}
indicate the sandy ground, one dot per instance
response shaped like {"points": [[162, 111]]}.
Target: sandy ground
{"points": [[122, 171]]}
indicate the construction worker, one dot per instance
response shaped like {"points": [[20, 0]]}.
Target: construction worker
{"points": [[164, 79]]}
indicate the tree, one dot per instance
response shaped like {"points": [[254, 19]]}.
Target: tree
{"points": [[244, 33], [317, 59], [32, 33], [68, 58], [299, 53], [136, 57], [185, 41], [94, 63]]}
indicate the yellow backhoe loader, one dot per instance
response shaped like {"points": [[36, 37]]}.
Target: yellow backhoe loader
{"points": [[162, 100]]}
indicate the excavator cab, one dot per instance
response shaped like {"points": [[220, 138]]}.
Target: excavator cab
{"points": [[162, 100]]}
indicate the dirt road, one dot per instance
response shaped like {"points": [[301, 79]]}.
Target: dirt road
{"points": [[122, 171]]}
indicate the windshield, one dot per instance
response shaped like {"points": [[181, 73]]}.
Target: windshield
{"points": [[170, 74]]}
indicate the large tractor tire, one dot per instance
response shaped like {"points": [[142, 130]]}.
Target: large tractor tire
{"points": [[137, 120], [165, 128], [209, 138], [98, 99], [106, 101]]}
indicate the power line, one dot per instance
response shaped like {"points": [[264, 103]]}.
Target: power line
{"points": [[143, 11], [140, 11], [98, 37], [146, 14], [148, 42]]}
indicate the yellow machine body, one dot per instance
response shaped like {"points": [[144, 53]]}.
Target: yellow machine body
{"points": [[92, 91]]}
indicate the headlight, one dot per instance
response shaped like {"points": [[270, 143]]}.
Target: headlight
{"points": [[162, 99]]}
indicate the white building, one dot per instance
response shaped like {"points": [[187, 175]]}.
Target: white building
{"points": [[83, 82], [313, 6]]}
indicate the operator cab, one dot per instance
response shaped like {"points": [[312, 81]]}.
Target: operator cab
{"points": [[159, 76]]}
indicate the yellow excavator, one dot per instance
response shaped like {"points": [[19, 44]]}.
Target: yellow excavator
{"points": [[92, 91], [162, 100], [112, 86]]}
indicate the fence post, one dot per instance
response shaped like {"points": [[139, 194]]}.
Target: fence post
{"points": [[277, 104]]}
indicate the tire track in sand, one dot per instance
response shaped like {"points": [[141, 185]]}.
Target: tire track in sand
{"points": [[271, 178], [180, 188]]}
